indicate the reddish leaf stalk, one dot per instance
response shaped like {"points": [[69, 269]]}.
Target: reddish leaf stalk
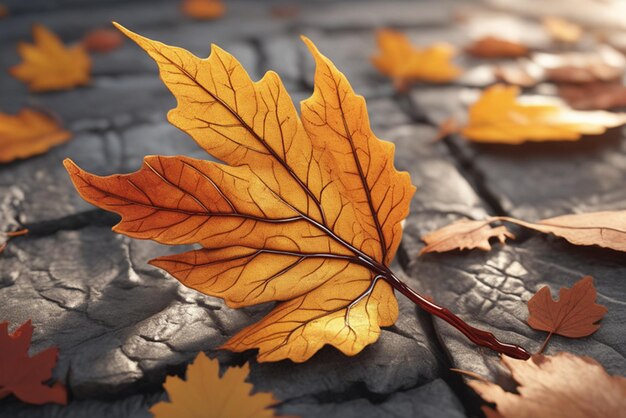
{"points": [[477, 336]]}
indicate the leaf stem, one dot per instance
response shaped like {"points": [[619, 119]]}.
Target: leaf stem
{"points": [[477, 336], [545, 343]]}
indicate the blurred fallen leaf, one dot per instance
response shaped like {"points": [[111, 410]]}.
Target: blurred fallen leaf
{"points": [[523, 74], [48, 65], [204, 394], [603, 64], [102, 40], [25, 376], [574, 315], [398, 59], [594, 96], [499, 116], [464, 234], [562, 30], [559, 386], [494, 47], [4, 11], [605, 229], [203, 9], [29, 133]]}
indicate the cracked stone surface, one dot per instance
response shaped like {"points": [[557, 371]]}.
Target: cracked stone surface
{"points": [[122, 325]]}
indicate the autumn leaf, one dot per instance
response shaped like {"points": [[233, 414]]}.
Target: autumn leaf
{"points": [[401, 61], [464, 234], [204, 394], [102, 40], [593, 96], [203, 9], [605, 229], [29, 133], [494, 47], [4, 11], [298, 210], [25, 376], [562, 30], [575, 314], [499, 116], [49, 65], [560, 386], [601, 65]]}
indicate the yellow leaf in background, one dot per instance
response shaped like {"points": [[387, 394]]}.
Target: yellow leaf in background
{"points": [[401, 61], [562, 30], [204, 394], [305, 211], [499, 116], [203, 9], [49, 65], [28, 133]]}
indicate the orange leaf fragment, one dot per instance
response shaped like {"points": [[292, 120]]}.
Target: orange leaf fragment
{"points": [[204, 394], [575, 314], [494, 47], [305, 211], [562, 30], [203, 9], [404, 63], [24, 376], [102, 40], [499, 116], [29, 133], [49, 65], [464, 234], [559, 386]]}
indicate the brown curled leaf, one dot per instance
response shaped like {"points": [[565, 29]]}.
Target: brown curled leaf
{"points": [[559, 386]]}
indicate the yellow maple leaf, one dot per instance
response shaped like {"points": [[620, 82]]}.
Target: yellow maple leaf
{"points": [[28, 133], [499, 116], [304, 211], [49, 65], [401, 61], [207, 395]]}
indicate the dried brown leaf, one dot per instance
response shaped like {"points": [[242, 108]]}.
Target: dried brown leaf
{"points": [[494, 47], [464, 234], [560, 386]]}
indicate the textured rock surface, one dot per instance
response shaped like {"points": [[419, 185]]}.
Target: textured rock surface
{"points": [[122, 325]]}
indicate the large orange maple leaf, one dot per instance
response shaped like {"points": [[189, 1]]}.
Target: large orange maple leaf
{"points": [[305, 211]]}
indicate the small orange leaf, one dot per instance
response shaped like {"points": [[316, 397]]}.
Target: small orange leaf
{"points": [[29, 133], [575, 314], [24, 376], [464, 234], [301, 207], [48, 65], [204, 394], [404, 63], [562, 30], [494, 47], [560, 386], [499, 116], [102, 40], [203, 9]]}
